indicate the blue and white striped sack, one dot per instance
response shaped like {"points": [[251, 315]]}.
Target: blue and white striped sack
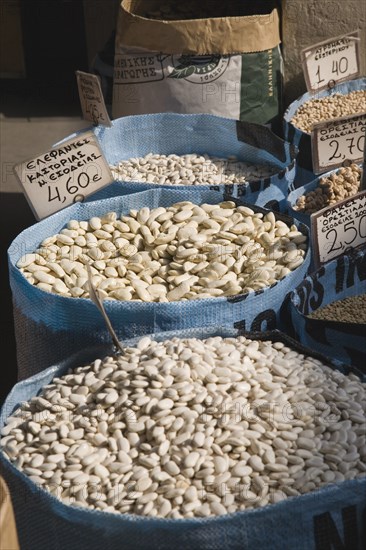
{"points": [[171, 133], [302, 140], [338, 279], [49, 327], [331, 517]]}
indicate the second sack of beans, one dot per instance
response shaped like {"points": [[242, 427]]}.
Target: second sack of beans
{"points": [[181, 265]]}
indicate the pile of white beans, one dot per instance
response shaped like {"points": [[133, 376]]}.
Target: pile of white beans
{"points": [[191, 428], [190, 169], [183, 252]]}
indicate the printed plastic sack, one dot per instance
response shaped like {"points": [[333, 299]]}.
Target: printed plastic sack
{"points": [[212, 58], [338, 279], [313, 521], [49, 327], [170, 133], [304, 164]]}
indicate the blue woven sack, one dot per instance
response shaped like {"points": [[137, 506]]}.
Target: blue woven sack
{"points": [[169, 133], [299, 192], [49, 327], [331, 517], [304, 162], [338, 279]]}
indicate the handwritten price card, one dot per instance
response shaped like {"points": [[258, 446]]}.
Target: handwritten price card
{"points": [[64, 175], [339, 228], [337, 141], [331, 62], [91, 99]]}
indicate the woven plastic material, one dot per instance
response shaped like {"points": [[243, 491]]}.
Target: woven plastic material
{"points": [[315, 521], [170, 133], [338, 279], [49, 327], [304, 164], [296, 194]]}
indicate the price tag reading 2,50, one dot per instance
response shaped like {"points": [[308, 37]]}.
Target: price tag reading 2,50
{"points": [[66, 174], [335, 142], [339, 228], [332, 61]]}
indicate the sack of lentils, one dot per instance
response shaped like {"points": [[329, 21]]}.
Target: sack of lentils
{"points": [[326, 190], [344, 99], [200, 439], [205, 151], [160, 261], [328, 309], [198, 57]]}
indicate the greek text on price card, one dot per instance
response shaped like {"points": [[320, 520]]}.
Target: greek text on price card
{"points": [[91, 99], [66, 174], [338, 142], [336, 229], [331, 62]]}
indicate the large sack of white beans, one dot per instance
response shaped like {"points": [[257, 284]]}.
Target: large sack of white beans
{"points": [[160, 261], [188, 151], [344, 99], [328, 309], [200, 439], [198, 57]]}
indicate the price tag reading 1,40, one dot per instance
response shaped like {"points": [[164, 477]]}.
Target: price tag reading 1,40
{"points": [[66, 174], [339, 228], [335, 142], [330, 62]]}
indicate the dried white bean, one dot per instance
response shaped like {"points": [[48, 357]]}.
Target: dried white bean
{"points": [[190, 428]]}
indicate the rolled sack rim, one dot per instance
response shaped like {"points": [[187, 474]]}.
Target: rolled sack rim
{"points": [[221, 35]]}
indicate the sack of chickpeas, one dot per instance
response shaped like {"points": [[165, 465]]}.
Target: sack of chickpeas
{"points": [[198, 57], [203, 152], [328, 309], [344, 99], [160, 262], [326, 190], [200, 439]]}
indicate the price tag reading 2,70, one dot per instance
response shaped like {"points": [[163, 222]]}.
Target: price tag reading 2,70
{"points": [[339, 228], [66, 174], [338, 141], [332, 61]]}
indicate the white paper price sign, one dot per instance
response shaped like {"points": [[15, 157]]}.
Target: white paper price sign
{"points": [[91, 99], [339, 228], [332, 61], [337, 142], [66, 174]]}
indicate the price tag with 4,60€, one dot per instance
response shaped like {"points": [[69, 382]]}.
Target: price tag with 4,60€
{"points": [[66, 174], [338, 142], [331, 62]]}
